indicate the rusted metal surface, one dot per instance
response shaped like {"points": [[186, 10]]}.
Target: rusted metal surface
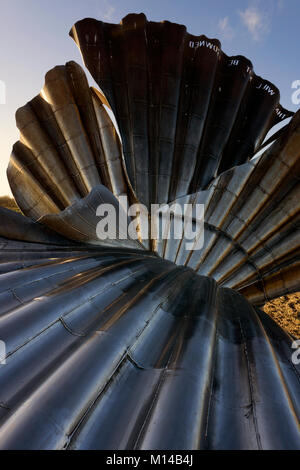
{"points": [[159, 357], [186, 111]]}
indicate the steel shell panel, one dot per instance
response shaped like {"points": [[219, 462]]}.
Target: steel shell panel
{"points": [[186, 111], [251, 238], [129, 344], [157, 356]]}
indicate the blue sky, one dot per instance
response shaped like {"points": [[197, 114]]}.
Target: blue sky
{"points": [[34, 38]]}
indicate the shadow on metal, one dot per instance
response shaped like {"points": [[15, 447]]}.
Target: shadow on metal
{"points": [[142, 344], [116, 349]]}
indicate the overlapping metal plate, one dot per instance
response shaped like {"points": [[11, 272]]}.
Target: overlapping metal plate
{"points": [[118, 349], [143, 344], [186, 111], [251, 212]]}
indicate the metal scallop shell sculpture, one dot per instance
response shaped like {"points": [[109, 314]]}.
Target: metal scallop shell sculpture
{"points": [[69, 150], [141, 344], [186, 111]]}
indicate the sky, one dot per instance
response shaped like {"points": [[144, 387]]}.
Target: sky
{"points": [[34, 38]]}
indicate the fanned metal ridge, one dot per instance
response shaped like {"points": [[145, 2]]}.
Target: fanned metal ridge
{"points": [[118, 349], [251, 216], [69, 157], [141, 344], [251, 224], [186, 111], [68, 146]]}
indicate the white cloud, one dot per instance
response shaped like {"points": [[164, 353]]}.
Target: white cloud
{"points": [[109, 14], [256, 22], [108, 11], [225, 29]]}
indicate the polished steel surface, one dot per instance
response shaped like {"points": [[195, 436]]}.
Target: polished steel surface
{"points": [[251, 236], [117, 349], [186, 111], [141, 344], [68, 145], [251, 232]]}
